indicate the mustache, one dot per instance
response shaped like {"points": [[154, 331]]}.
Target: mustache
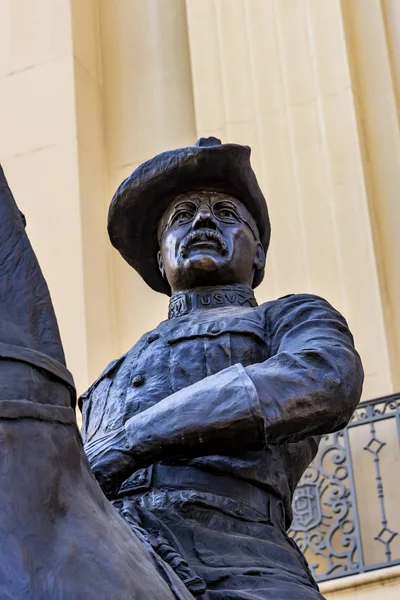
{"points": [[201, 235]]}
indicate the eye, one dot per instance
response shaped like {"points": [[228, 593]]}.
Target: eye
{"points": [[183, 215], [225, 212]]}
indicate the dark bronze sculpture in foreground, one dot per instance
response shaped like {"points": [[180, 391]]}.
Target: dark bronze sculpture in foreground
{"points": [[201, 432], [198, 435], [60, 538]]}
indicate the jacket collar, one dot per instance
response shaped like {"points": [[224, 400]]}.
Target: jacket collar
{"points": [[183, 303]]}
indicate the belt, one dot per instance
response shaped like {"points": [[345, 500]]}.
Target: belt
{"points": [[170, 478]]}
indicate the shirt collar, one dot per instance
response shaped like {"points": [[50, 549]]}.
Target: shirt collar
{"points": [[183, 303]]}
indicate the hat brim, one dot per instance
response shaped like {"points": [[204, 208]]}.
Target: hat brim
{"points": [[141, 200]]}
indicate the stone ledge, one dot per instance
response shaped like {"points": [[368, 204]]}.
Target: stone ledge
{"points": [[362, 579]]}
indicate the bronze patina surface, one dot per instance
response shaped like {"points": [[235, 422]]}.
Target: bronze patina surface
{"points": [[60, 537], [200, 433]]}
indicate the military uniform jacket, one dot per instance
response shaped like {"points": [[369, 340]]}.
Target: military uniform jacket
{"points": [[255, 386]]}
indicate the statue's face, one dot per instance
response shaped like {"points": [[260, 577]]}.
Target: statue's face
{"points": [[208, 239]]}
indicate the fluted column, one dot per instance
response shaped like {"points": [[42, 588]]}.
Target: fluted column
{"points": [[275, 75], [373, 38], [148, 109], [92, 155], [90, 89], [38, 151]]}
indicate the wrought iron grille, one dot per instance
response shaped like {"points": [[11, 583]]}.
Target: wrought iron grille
{"points": [[347, 505]]}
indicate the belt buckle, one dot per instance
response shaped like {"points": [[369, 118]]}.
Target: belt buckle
{"points": [[139, 481]]}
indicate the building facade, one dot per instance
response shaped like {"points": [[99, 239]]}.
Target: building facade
{"points": [[89, 89]]}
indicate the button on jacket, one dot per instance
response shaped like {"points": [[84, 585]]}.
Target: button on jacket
{"points": [[268, 379]]}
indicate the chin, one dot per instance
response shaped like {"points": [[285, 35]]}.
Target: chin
{"points": [[205, 264], [202, 271]]}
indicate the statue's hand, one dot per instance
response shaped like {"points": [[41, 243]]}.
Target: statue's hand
{"points": [[111, 460]]}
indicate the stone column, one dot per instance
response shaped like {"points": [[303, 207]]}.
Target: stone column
{"points": [[39, 153], [276, 75], [149, 108]]}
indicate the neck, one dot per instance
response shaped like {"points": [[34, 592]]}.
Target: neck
{"points": [[202, 298]]}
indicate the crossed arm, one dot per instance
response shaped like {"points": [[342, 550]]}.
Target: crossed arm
{"points": [[310, 386]]}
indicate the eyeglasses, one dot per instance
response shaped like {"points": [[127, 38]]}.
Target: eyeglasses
{"points": [[223, 211]]}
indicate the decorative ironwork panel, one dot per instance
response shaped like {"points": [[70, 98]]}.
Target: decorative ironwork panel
{"points": [[340, 508]]}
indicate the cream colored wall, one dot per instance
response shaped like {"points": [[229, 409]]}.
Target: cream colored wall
{"points": [[91, 88], [92, 160], [38, 150], [267, 85], [373, 36], [148, 108], [383, 584], [282, 84]]}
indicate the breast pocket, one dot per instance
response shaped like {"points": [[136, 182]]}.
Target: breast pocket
{"points": [[93, 403], [203, 349], [93, 409]]}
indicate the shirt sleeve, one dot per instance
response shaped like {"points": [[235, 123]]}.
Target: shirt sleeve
{"points": [[312, 383], [217, 414]]}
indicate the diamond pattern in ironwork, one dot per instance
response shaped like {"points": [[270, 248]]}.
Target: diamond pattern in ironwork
{"points": [[386, 535], [374, 446], [334, 545]]}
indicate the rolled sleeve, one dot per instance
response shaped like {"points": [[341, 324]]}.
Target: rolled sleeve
{"points": [[219, 412], [312, 383]]}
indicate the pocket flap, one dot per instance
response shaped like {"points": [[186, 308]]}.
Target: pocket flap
{"points": [[243, 326], [107, 371]]}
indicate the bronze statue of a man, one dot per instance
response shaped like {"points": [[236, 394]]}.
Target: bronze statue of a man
{"points": [[200, 433]]}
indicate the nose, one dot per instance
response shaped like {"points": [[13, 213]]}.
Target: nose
{"points": [[204, 218]]}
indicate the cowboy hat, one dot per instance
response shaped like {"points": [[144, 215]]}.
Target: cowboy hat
{"points": [[140, 201]]}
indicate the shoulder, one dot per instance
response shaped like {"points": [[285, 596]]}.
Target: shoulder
{"points": [[113, 366], [107, 372], [130, 355], [297, 301], [299, 308]]}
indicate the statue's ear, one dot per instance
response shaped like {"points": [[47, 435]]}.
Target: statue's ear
{"points": [[259, 257], [160, 263]]}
